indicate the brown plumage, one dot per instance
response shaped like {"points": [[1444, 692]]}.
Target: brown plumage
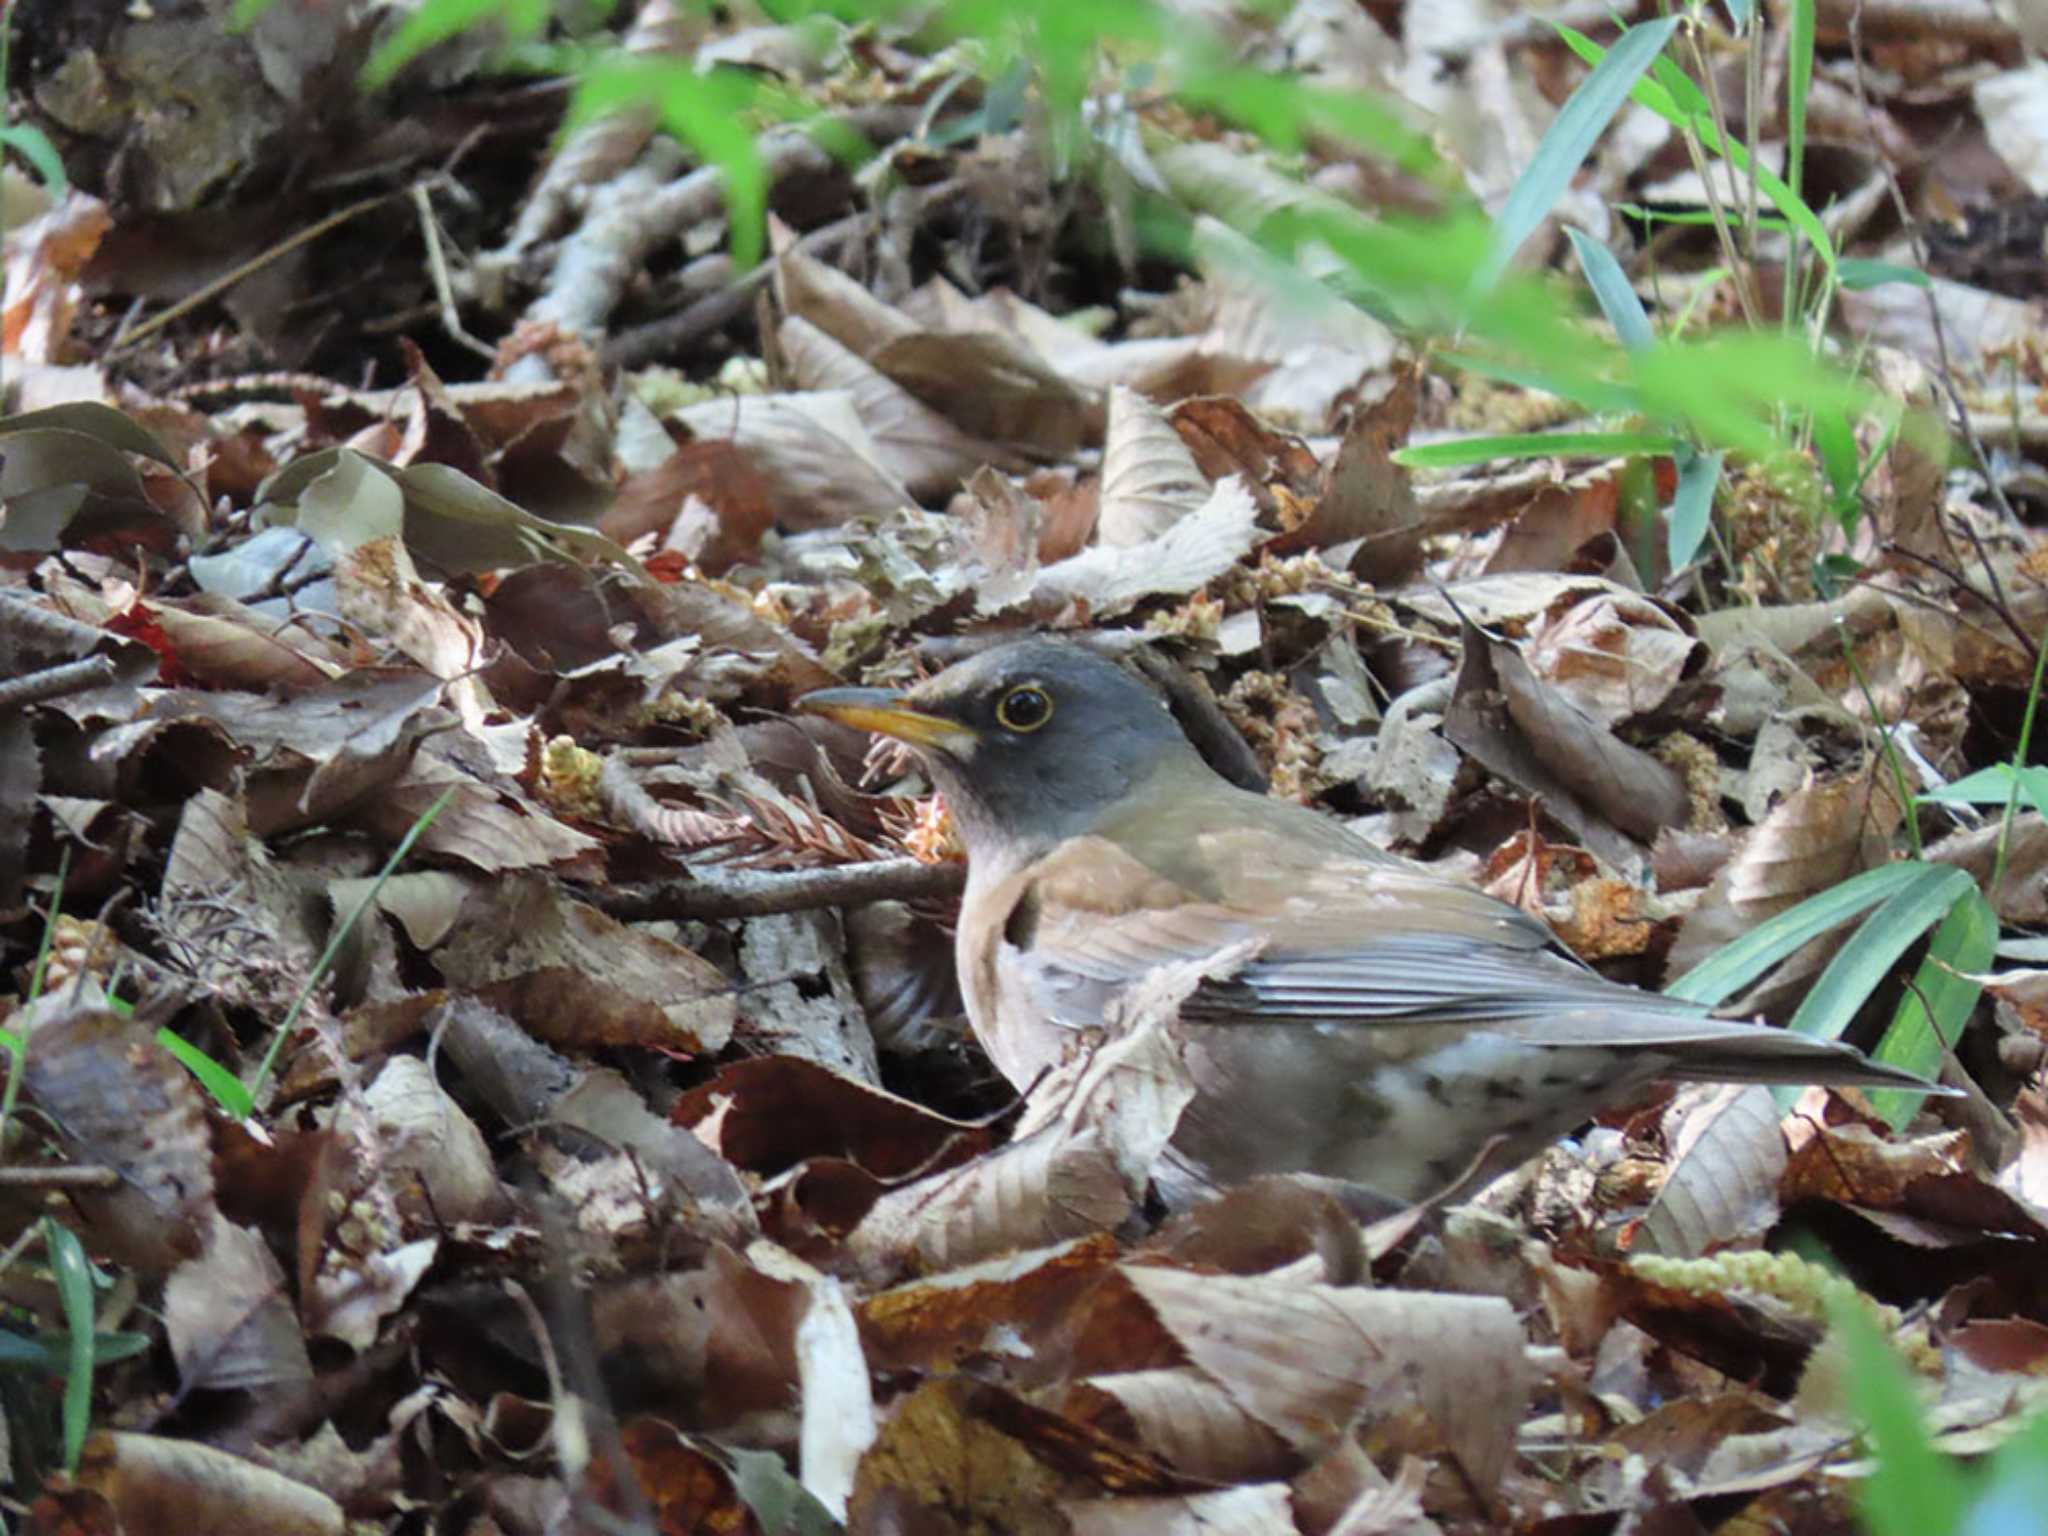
{"points": [[1389, 1023]]}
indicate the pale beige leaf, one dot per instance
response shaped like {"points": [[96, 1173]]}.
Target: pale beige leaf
{"points": [[1091, 1132], [226, 645], [1193, 552], [379, 589], [436, 1160], [1308, 1360], [526, 927], [821, 466], [1195, 1426], [608, 1107], [1726, 1159], [492, 827], [912, 441], [1149, 479], [1612, 655], [1815, 839], [996, 529], [2013, 107], [1262, 1509], [837, 305], [159, 1484], [838, 1402], [350, 1301], [229, 1318]]}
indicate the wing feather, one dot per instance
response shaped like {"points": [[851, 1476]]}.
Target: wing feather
{"points": [[1334, 960]]}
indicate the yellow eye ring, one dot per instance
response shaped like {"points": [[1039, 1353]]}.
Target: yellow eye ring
{"points": [[1024, 708]]}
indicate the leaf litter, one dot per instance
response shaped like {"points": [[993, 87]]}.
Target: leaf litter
{"points": [[632, 1155]]}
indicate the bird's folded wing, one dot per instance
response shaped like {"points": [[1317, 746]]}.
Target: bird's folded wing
{"points": [[1338, 940], [1344, 946]]}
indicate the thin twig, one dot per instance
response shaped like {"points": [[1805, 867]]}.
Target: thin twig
{"points": [[758, 892], [1944, 369], [56, 682], [444, 285], [1994, 599], [256, 263], [73, 1176]]}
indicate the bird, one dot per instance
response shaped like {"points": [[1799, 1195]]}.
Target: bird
{"points": [[1385, 1027]]}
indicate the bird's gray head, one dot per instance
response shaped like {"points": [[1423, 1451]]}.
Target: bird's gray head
{"points": [[1030, 741]]}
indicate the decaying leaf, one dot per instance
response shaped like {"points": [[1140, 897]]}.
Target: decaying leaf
{"points": [[120, 1100]]}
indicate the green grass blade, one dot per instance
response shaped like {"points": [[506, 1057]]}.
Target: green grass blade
{"points": [[1740, 961], [1798, 84], [2011, 1503], [1700, 217], [1913, 1490], [340, 936], [1569, 139], [226, 1088], [74, 1291], [1535, 445]]}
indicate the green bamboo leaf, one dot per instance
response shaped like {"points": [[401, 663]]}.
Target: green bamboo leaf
{"points": [[1569, 139], [50, 1353], [1652, 93], [438, 20], [1835, 441], [1692, 506], [1612, 291], [1995, 786], [1686, 96], [1659, 98], [34, 146], [1739, 962], [1962, 948], [1856, 272], [1535, 445], [1593, 394], [1873, 949], [17, 1350]]}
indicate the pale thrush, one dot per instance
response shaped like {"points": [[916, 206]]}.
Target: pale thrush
{"points": [[1391, 1023]]}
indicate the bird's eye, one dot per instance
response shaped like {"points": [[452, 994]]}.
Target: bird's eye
{"points": [[1024, 708]]}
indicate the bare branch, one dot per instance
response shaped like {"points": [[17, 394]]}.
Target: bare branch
{"points": [[56, 682], [757, 892]]}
